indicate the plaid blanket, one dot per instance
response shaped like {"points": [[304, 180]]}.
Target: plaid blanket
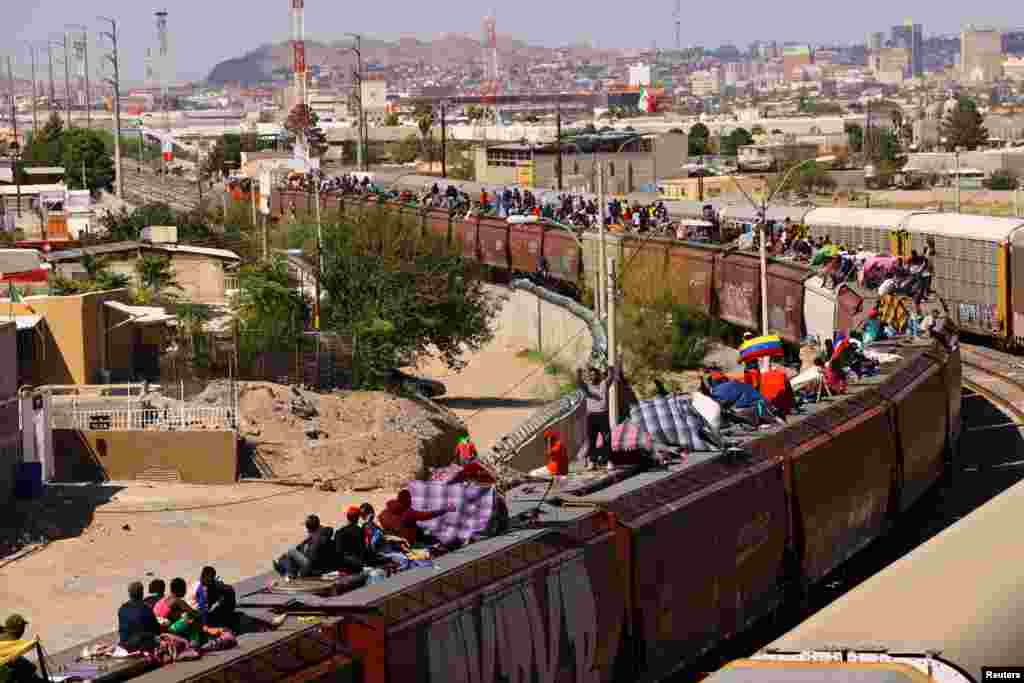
{"points": [[672, 421], [630, 436], [479, 509]]}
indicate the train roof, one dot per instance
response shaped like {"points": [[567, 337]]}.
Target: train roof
{"points": [[960, 594], [965, 226], [858, 218]]}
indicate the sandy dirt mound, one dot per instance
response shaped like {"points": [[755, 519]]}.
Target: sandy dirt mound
{"points": [[358, 440]]}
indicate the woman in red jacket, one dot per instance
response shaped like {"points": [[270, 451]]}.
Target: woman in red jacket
{"points": [[400, 519]]}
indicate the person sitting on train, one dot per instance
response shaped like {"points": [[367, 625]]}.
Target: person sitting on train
{"points": [[872, 327], [401, 519], [137, 627], [349, 544], [311, 556]]}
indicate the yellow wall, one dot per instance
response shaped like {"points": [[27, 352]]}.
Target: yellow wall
{"points": [[198, 457], [75, 340], [688, 188]]}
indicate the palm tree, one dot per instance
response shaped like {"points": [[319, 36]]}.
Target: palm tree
{"points": [[156, 277]]}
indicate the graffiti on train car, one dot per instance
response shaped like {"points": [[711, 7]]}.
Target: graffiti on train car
{"points": [[737, 302], [518, 634], [979, 316]]}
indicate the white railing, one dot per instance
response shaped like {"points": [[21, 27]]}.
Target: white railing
{"points": [[230, 283], [153, 419]]}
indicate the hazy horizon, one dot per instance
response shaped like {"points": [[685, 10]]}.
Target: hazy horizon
{"points": [[203, 34]]}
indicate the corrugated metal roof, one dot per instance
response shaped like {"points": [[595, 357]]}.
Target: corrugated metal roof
{"points": [[115, 247], [858, 218], [143, 315], [987, 228]]}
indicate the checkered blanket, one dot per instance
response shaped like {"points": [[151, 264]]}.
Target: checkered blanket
{"points": [[672, 421], [478, 509]]}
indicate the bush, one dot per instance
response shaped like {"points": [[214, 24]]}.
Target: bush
{"points": [[1003, 180], [670, 337]]}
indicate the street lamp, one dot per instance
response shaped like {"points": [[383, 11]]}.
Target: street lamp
{"points": [[956, 179], [85, 57], [763, 221]]}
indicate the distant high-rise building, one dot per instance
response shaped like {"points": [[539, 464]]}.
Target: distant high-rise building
{"points": [[794, 58], [875, 41], [910, 36], [981, 55]]}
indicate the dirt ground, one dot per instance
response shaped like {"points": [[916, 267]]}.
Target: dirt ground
{"points": [[103, 537]]}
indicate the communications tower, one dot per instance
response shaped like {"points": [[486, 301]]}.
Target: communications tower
{"points": [[298, 9], [490, 87]]}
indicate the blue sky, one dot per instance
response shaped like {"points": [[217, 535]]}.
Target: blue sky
{"points": [[205, 32]]}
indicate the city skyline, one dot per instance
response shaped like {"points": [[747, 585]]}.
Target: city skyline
{"points": [[199, 40]]}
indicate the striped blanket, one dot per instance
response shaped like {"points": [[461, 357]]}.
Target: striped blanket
{"points": [[479, 509]]}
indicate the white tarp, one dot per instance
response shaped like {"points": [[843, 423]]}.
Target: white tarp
{"points": [[37, 431], [819, 309]]}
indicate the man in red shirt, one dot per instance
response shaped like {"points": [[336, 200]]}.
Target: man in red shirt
{"points": [[400, 519]]}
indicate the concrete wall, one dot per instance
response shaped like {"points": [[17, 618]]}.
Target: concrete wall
{"points": [[10, 433], [539, 326], [201, 278], [194, 457]]}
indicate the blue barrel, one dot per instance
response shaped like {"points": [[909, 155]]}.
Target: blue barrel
{"points": [[28, 480]]}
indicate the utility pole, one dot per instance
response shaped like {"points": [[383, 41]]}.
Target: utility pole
{"points": [[613, 354], [85, 62], [603, 256], [358, 49], [67, 79], [320, 264], [35, 95], [444, 141], [558, 140], [53, 94], [16, 151], [115, 83]]}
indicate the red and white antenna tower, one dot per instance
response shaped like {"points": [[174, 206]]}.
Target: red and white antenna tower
{"points": [[491, 85], [299, 48]]}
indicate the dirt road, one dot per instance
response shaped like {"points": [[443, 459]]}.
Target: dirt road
{"points": [[111, 535]]}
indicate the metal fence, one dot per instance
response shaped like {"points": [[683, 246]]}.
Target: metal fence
{"points": [[154, 419]]}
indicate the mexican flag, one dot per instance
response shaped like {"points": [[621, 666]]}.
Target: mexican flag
{"points": [[646, 103]]}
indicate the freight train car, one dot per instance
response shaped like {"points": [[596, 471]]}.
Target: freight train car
{"points": [[626, 575], [959, 597], [978, 261]]}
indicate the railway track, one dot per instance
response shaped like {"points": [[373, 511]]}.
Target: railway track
{"points": [[998, 377]]}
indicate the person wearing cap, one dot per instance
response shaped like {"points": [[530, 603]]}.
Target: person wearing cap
{"points": [[19, 669], [349, 544], [402, 519]]}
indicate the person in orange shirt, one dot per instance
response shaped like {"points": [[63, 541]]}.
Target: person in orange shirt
{"points": [[557, 459]]}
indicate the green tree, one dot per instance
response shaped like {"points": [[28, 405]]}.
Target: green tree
{"points": [[855, 137], [85, 152], [271, 312], [156, 279], [46, 148], [475, 112], [963, 126], [1003, 179], [227, 152], [736, 139], [811, 177], [392, 120], [407, 151], [699, 136], [401, 295]]}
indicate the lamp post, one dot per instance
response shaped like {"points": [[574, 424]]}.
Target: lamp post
{"points": [[763, 221], [956, 178]]}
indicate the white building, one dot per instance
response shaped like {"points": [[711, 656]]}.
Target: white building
{"points": [[706, 83], [640, 75], [981, 55], [1013, 68]]}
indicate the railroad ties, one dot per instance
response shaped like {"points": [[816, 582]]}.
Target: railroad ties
{"points": [[998, 377]]}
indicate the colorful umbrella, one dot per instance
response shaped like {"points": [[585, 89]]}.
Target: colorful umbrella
{"points": [[767, 346]]}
